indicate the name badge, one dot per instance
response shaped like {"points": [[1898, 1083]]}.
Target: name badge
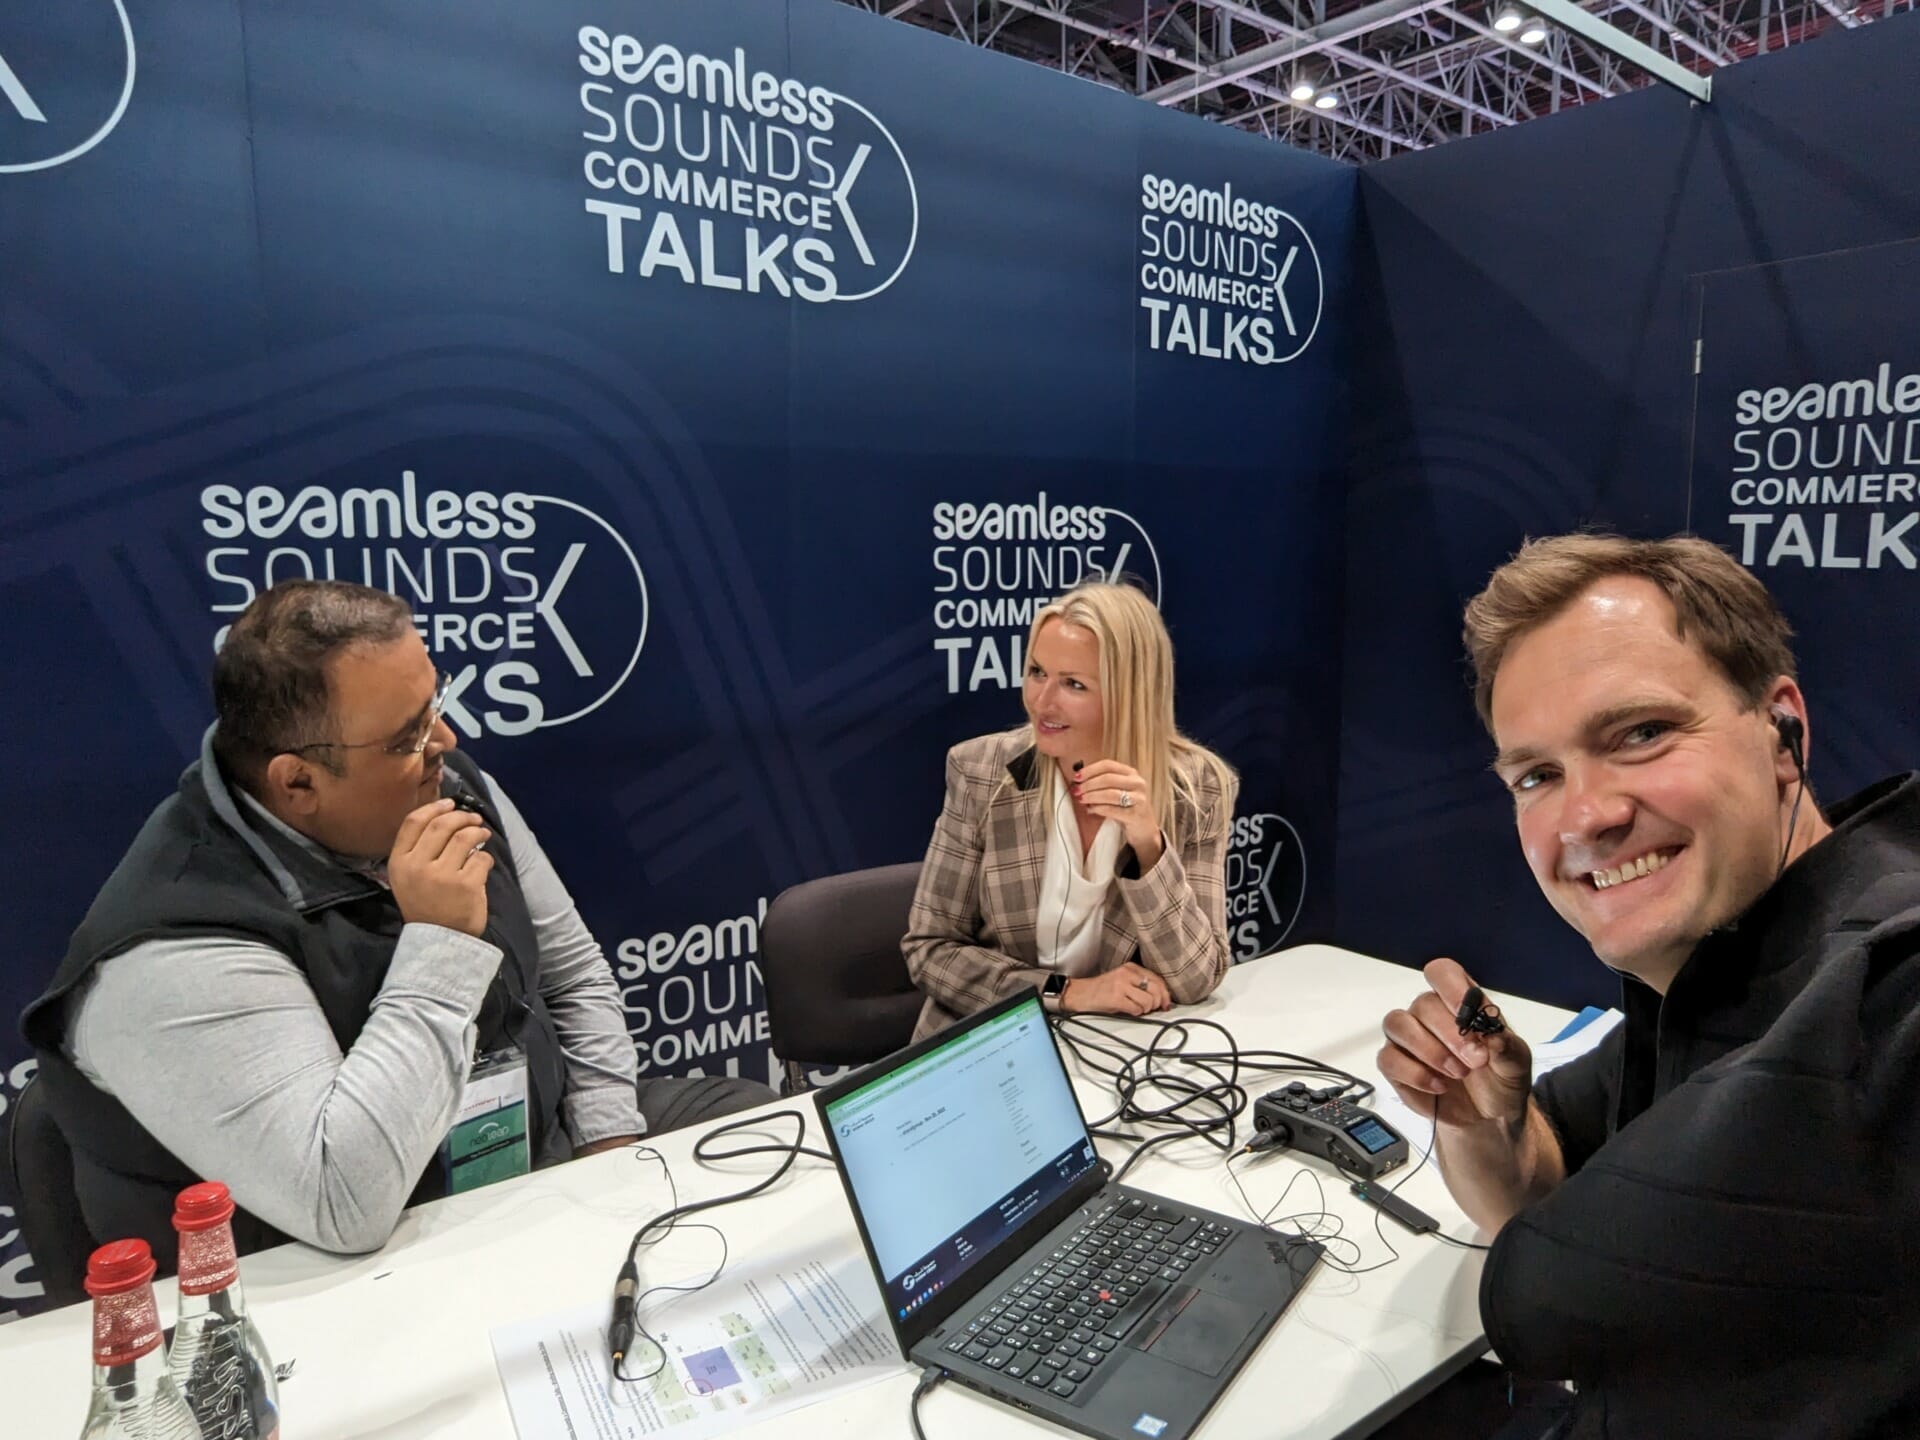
{"points": [[488, 1141]]}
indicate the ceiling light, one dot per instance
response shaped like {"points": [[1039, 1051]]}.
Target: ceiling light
{"points": [[1508, 20], [1533, 32], [1326, 102], [1302, 91]]}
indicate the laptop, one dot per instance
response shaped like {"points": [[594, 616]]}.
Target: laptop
{"points": [[1006, 1258]]}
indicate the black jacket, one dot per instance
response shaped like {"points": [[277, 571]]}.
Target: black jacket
{"points": [[1736, 1250], [198, 867]]}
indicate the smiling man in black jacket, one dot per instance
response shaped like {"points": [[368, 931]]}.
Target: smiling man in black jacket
{"points": [[1711, 1224]]}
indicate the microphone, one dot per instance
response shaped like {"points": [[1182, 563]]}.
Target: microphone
{"points": [[453, 788], [1475, 1016], [620, 1332]]}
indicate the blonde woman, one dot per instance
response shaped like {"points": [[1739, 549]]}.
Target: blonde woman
{"points": [[1084, 853]]}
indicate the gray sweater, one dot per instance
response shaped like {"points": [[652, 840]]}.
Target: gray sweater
{"points": [[231, 1065]]}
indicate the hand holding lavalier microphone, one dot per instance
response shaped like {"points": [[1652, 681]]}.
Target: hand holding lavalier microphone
{"points": [[1477, 1015], [1450, 1052]]}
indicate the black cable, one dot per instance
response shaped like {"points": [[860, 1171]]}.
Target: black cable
{"points": [[929, 1377], [672, 1223], [1335, 1234], [1220, 1092], [672, 1218], [1134, 1068], [706, 1155], [1327, 1228], [1433, 1149], [1793, 816], [1202, 1093]]}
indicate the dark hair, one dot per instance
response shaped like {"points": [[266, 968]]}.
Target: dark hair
{"points": [[1718, 604], [270, 691]]}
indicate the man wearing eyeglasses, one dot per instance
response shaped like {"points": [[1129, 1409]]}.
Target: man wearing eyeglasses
{"points": [[315, 976]]}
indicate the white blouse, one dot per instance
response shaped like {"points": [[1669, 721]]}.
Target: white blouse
{"points": [[1072, 895]]}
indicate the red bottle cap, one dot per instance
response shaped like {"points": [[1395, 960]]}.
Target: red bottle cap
{"points": [[126, 1322], [202, 1214], [119, 1267], [202, 1206]]}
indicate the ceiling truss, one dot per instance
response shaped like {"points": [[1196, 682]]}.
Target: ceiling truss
{"points": [[1405, 74]]}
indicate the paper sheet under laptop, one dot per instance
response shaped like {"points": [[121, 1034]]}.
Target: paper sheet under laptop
{"points": [[767, 1338]]}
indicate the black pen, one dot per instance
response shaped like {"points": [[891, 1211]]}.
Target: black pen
{"points": [[620, 1333]]}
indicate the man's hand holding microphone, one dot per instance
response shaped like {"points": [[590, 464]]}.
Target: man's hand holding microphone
{"points": [[1492, 1143], [438, 869]]}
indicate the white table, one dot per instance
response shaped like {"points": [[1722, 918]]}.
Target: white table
{"points": [[395, 1345]]}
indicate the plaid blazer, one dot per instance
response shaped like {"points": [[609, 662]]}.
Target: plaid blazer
{"points": [[972, 935]]}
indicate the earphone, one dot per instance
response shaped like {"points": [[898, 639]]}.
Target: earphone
{"points": [[1791, 734], [1791, 731]]}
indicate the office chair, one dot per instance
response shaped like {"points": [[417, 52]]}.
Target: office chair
{"points": [[838, 992], [40, 1169]]}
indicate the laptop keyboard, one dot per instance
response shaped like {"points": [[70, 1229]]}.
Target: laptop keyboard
{"points": [[1053, 1326]]}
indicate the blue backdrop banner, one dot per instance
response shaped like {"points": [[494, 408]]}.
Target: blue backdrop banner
{"points": [[1806, 466], [724, 385], [1764, 244]]}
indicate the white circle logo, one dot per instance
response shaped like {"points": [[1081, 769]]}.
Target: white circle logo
{"points": [[878, 206], [1266, 883], [1299, 292], [1133, 555], [65, 85], [594, 684]]}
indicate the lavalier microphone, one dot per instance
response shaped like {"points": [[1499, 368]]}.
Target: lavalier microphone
{"points": [[1475, 1016]]}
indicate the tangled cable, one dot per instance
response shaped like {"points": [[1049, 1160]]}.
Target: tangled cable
{"points": [[1328, 1228], [1187, 1093], [1182, 1092]]}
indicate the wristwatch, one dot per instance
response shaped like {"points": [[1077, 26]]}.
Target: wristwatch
{"points": [[1051, 991]]}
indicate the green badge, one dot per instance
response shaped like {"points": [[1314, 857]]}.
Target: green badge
{"points": [[487, 1148], [488, 1141]]}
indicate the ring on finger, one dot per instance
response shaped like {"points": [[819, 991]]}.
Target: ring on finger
{"points": [[1126, 799]]}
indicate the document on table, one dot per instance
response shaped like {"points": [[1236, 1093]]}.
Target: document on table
{"points": [[763, 1340], [1548, 1055]]}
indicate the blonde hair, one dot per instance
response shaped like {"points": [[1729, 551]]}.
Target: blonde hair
{"points": [[1717, 603], [1136, 699]]}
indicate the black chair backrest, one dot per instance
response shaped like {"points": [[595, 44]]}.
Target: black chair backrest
{"points": [[40, 1168], [838, 992]]}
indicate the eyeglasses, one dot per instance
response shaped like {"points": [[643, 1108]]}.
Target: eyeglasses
{"points": [[413, 744]]}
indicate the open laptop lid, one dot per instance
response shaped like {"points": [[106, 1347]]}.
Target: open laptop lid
{"points": [[967, 1146]]}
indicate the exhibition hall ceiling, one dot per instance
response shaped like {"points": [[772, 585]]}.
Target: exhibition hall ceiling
{"points": [[1361, 80]]}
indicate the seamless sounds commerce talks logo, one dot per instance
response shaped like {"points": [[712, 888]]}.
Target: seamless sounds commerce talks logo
{"points": [[494, 580], [712, 172], [1225, 277], [996, 564]]}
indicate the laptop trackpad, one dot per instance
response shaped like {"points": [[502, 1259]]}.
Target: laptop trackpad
{"points": [[1199, 1330]]}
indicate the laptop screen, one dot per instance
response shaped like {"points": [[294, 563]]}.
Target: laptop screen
{"points": [[948, 1155]]}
